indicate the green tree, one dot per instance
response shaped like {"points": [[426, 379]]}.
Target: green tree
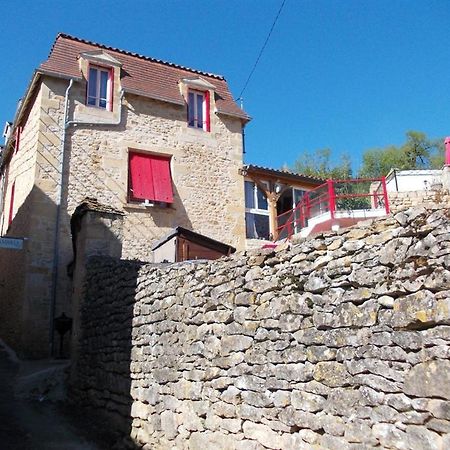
{"points": [[418, 152], [318, 164]]}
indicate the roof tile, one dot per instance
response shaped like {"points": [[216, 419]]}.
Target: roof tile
{"points": [[142, 74]]}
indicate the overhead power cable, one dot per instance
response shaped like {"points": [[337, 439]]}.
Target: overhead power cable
{"points": [[262, 50]]}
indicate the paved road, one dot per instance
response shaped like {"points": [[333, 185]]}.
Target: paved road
{"points": [[33, 425]]}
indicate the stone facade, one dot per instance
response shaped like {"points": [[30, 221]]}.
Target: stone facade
{"points": [[401, 200], [339, 342], [208, 189]]}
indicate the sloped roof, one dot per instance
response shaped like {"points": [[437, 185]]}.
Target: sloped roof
{"points": [[200, 239], [261, 170], [141, 75]]}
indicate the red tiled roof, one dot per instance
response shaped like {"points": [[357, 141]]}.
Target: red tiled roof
{"points": [[140, 74]]}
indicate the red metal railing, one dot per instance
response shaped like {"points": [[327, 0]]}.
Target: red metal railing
{"points": [[332, 196]]}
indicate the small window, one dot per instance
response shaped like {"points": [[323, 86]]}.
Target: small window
{"points": [[256, 212], [198, 110], [99, 91], [149, 178]]}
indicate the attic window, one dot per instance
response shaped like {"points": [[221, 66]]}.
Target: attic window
{"points": [[198, 110], [99, 92]]}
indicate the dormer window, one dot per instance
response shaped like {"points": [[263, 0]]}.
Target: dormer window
{"points": [[198, 110], [99, 92], [197, 94]]}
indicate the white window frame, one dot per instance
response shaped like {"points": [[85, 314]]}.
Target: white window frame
{"points": [[97, 98], [257, 211], [204, 121]]}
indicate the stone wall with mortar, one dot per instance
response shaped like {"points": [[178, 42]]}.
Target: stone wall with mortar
{"points": [[339, 342], [402, 200], [25, 277], [208, 189]]}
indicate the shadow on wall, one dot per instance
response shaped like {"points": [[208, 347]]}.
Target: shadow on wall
{"points": [[98, 232], [110, 352], [26, 278]]}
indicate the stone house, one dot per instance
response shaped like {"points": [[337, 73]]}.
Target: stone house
{"points": [[160, 142]]}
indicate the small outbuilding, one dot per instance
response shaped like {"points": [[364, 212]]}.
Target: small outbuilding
{"points": [[184, 245]]}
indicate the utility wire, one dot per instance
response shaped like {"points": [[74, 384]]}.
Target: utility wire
{"points": [[262, 50]]}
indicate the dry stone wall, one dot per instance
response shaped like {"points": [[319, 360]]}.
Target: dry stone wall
{"points": [[339, 342]]}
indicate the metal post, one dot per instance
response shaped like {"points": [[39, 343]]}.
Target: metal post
{"points": [[307, 209], [331, 198], [385, 195]]}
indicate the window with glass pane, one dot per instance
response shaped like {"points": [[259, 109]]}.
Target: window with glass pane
{"points": [[196, 101], [256, 212], [257, 226], [249, 194], [98, 87]]}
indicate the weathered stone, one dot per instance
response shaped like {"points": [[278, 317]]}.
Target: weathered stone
{"points": [[261, 433], [245, 298], [359, 431], [420, 308], [231, 395], [333, 425], [316, 353], [317, 282], [342, 402], [389, 435], [281, 399], [258, 399], [438, 408], [376, 382], [211, 441], [370, 396], [139, 410], [429, 379], [398, 401], [234, 343], [420, 437], [386, 301], [439, 425], [306, 401], [293, 372], [169, 424], [332, 374], [395, 251]]}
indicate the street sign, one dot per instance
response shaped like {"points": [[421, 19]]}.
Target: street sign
{"points": [[11, 243]]}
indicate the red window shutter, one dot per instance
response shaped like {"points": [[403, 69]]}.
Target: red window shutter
{"points": [[207, 112], [141, 177], [11, 204], [111, 89], [162, 180], [18, 132]]}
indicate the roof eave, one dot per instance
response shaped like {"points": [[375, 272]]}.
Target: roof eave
{"points": [[249, 168], [246, 118]]}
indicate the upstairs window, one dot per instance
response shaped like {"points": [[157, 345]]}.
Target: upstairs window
{"points": [[99, 92], [198, 110], [149, 178]]}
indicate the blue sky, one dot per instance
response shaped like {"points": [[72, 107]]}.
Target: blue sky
{"points": [[347, 75]]}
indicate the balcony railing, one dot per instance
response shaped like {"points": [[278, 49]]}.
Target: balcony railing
{"points": [[330, 198]]}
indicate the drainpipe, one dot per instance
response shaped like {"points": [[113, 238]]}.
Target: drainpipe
{"points": [[66, 125], [58, 218]]}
